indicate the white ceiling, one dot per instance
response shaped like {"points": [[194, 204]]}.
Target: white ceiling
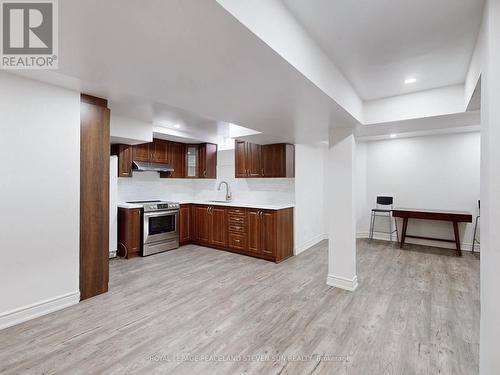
{"points": [[377, 44], [187, 61]]}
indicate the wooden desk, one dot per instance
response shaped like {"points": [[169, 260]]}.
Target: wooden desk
{"points": [[454, 217]]}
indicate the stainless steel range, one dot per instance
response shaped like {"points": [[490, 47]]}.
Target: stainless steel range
{"points": [[161, 226]]}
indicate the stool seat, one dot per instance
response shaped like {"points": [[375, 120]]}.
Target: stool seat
{"points": [[380, 210]]}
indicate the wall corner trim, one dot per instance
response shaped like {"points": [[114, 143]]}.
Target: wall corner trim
{"points": [[343, 283], [25, 313]]}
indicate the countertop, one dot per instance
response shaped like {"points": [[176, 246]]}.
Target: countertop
{"points": [[262, 206]]}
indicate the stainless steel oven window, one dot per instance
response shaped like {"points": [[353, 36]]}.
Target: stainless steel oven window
{"points": [[161, 225]]}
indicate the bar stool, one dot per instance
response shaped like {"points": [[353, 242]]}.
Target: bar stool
{"points": [[474, 240], [383, 209]]}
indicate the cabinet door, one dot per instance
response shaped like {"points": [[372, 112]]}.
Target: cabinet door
{"points": [[240, 157], [254, 231], [142, 152], [124, 153], [159, 151], [202, 224], [218, 226], [207, 160], [192, 160], [184, 223], [177, 158], [253, 160], [268, 231], [271, 160]]}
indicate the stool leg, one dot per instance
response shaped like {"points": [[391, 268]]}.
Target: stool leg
{"points": [[371, 227], [397, 233], [390, 228], [474, 236]]}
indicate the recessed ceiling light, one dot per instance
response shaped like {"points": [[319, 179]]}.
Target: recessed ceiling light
{"points": [[177, 126], [393, 135], [410, 80]]}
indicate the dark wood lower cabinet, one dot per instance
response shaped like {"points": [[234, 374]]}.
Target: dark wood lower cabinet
{"points": [[184, 224], [129, 232], [266, 234], [94, 196]]}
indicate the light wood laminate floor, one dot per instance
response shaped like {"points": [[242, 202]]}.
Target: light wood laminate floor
{"points": [[416, 311]]}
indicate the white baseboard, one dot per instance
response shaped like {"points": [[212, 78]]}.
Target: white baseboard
{"points": [[466, 246], [23, 314], [342, 283], [309, 243]]}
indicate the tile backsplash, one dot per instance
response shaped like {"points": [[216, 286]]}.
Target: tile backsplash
{"points": [[149, 185]]}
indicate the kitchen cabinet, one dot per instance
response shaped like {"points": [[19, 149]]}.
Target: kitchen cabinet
{"points": [[278, 160], [124, 153], [207, 159], [192, 161], [177, 159], [201, 224], [266, 161], [129, 232], [247, 159], [142, 152], [266, 234], [184, 223]]}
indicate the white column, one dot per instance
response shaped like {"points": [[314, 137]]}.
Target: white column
{"points": [[490, 193], [341, 210]]}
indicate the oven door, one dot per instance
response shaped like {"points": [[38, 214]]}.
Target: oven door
{"points": [[160, 226]]}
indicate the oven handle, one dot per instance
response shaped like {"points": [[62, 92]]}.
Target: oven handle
{"points": [[161, 213]]}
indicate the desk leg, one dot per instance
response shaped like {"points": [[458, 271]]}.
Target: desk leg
{"points": [[403, 234], [457, 238]]}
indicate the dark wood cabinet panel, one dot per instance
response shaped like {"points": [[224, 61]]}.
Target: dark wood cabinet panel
{"points": [[240, 158], [124, 153], [218, 230], [177, 158], [253, 160], [201, 227], [207, 160], [278, 160], [142, 152], [184, 223], [268, 161], [94, 196], [129, 232], [159, 151], [254, 231], [268, 232]]}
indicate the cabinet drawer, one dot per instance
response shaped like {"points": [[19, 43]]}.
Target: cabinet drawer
{"points": [[237, 220], [237, 241], [236, 212], [237, 228]]}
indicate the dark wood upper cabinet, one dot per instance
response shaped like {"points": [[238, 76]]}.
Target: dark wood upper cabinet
{"points": [[177, 159], [94, 196], [142, 152], [278, 160], [268, 161], [124, 153], [207, 160], [240, 159], [253, 160], [159, 150]]}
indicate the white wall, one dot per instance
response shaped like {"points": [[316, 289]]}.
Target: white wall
{"points": [[440, 172], [40, 190], [310, 213]]}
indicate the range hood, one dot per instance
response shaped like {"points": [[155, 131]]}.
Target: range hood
{"points": [[144, 166]]}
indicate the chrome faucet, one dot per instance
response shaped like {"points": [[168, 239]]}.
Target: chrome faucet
{"points": [[228, 190]]}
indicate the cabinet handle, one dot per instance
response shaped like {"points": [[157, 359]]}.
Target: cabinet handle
{"points": [[262, 172], [204, 173]]}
